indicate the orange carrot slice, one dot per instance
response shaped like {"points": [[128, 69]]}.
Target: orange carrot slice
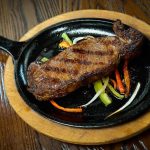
{"points": [[119, 82], [73, 110], [126, 78], [64, 44]]}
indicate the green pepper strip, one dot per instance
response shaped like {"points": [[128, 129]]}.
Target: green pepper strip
{"points": [[103, 96], [66, 38], [114, 92], [44, 59]]}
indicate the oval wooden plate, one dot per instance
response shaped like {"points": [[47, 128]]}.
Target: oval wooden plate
{"points": [[65, 133]]}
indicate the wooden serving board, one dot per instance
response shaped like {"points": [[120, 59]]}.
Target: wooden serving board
{"points": [[71, 134]]}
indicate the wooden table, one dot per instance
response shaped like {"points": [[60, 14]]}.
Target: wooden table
{"points": [[16, 18]]}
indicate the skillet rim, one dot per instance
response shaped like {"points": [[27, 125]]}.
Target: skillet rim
{"points": [[112, 122]]}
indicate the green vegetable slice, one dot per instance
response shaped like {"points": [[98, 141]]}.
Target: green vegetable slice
{"points": [[114, 92], [44, 59], [66, 38], [105, 99]]}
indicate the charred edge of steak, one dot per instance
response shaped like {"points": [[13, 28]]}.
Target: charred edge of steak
{"points": [[132, 40]]}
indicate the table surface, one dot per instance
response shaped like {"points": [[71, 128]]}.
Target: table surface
{"points": [[16, 18]]}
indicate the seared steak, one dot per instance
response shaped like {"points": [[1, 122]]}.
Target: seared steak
{"points": [[82, 63]]}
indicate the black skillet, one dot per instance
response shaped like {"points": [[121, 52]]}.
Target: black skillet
{"points": [[46, 44]]}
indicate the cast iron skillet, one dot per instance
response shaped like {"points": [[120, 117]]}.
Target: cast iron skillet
{"points": [[46, 44]]}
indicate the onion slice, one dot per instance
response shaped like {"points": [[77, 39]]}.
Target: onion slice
{"points": [[97, 94], [128, 102], [76, 40]]}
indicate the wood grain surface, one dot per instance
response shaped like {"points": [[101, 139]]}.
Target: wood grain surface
{"points": [[16, 18], [64, 133]]}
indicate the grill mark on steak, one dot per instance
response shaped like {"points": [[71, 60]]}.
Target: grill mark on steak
{"points": [[60, 70], [78, 61], [89, 52]]}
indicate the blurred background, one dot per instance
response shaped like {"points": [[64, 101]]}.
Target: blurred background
{"points": [[18, 16]]}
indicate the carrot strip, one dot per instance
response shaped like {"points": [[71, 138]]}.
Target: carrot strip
{"points": [[114, 83], [64, 44], [75, 110], [126, 78], [119, 82]]}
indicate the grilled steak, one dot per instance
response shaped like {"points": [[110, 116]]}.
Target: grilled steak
{"points": [[82, 63]]}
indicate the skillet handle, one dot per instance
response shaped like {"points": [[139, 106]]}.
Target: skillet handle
{"points": [[14, 48]]}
